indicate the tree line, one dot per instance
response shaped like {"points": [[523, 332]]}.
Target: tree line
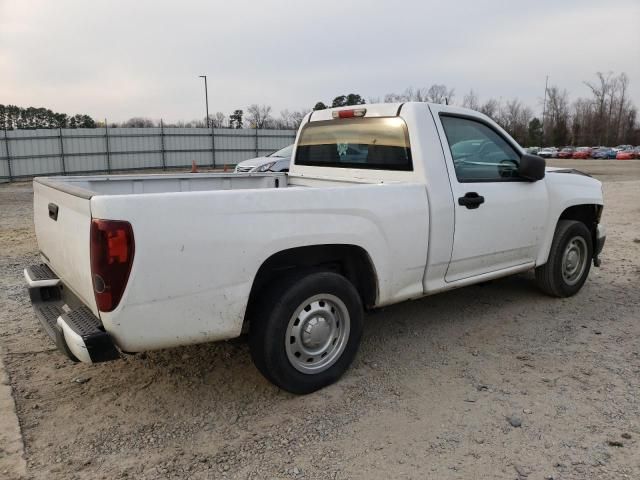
{"points": [[14, 117], [606, 117], [255, 116]]}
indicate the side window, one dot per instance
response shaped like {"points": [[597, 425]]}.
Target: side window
{"points": [[478, 152]]}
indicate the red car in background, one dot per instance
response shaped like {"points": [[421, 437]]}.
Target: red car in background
{"points": [[582, 152], [625, 155], [566, 152]]}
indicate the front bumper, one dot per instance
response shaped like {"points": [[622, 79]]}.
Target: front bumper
{"points": [[76, 331]]}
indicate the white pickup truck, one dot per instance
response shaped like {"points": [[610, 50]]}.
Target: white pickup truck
{"points": [[382, 203]]}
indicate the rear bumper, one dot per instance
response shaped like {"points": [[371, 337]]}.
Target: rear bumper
{"points": [[76, 331]]}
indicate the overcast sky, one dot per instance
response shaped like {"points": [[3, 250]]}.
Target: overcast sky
{"points": [[119, 59]]}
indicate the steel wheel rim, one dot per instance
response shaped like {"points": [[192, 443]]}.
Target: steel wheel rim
{"points": [[574, 260], [317, 333]]}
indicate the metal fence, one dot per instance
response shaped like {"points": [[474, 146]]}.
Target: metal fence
{"points": [[28, 153]]}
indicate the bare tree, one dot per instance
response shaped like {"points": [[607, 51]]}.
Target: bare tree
{"points": [[601, 89], [440, 94], [285, 120], [139, 122], [415, 95], [623, 104], [393, 98], [258, 115], [490, 108], [604, 118], [581, 125], [556, 130], [470, 100], [514, 117], [297, 117], [218, 120], [435, 94]]}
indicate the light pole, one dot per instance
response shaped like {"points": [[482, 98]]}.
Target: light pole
{"points": [[206, 98]]}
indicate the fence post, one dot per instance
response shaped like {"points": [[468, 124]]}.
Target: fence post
{"points": [[257, 154], [106, 142], [213, 146], [62, 161], [164, 162], [6, 145]]}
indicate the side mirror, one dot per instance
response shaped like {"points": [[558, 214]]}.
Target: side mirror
{"points": [[532, 167]]}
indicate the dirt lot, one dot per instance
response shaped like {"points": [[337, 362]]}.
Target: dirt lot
{"points": [[429, 395]]}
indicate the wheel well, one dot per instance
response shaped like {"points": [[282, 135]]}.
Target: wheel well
{"points": [[589, 214], [349, 260]]}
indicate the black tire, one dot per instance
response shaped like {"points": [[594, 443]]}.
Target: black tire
{"points": [[549, 277], [270, 319]]}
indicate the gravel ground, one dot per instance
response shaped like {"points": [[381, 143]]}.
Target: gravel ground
{"points": [[490, 381]]}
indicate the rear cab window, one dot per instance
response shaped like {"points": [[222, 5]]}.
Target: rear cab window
{"points": [[378, 143]]}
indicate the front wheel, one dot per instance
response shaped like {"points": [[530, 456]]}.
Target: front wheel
{"points": [[569, 261], [305, 332]]}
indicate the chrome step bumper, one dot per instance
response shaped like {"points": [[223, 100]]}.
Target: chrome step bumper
{"points": [[76, 331], [40, 276]]}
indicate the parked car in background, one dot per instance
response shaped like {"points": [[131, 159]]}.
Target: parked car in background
{"points": [[566, 152], [582, 153], [626, 155], [603, 153], [620, 148], [637, 151], [532, 150], [548, 152], [274, 162]]}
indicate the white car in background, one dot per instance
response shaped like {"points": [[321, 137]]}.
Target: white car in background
{"points": [[550, 152], [274, 162]]}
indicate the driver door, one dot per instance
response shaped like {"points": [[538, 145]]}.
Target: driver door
{"points": [[499, 217]]}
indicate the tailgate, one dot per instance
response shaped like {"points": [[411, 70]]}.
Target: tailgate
{"points": [[63, 223]]}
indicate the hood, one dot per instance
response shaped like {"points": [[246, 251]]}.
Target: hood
{"points": [[258, 161], [566, 170]]}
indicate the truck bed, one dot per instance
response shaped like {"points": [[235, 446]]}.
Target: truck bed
{"points": [[88, 186], [63, 212]]}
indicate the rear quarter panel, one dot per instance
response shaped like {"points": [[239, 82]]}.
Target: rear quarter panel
{"points": [[197, 253]]}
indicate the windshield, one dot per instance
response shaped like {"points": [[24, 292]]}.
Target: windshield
{"points": [[284, 152], [380, 143]]}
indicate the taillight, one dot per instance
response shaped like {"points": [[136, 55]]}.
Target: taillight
{"points": [[112, 249], [351, 113]]}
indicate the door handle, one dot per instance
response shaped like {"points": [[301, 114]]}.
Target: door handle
{"points": [[471, 200]]}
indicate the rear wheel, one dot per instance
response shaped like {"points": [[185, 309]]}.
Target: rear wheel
{"points": [[305, 332], [569, 261]]}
